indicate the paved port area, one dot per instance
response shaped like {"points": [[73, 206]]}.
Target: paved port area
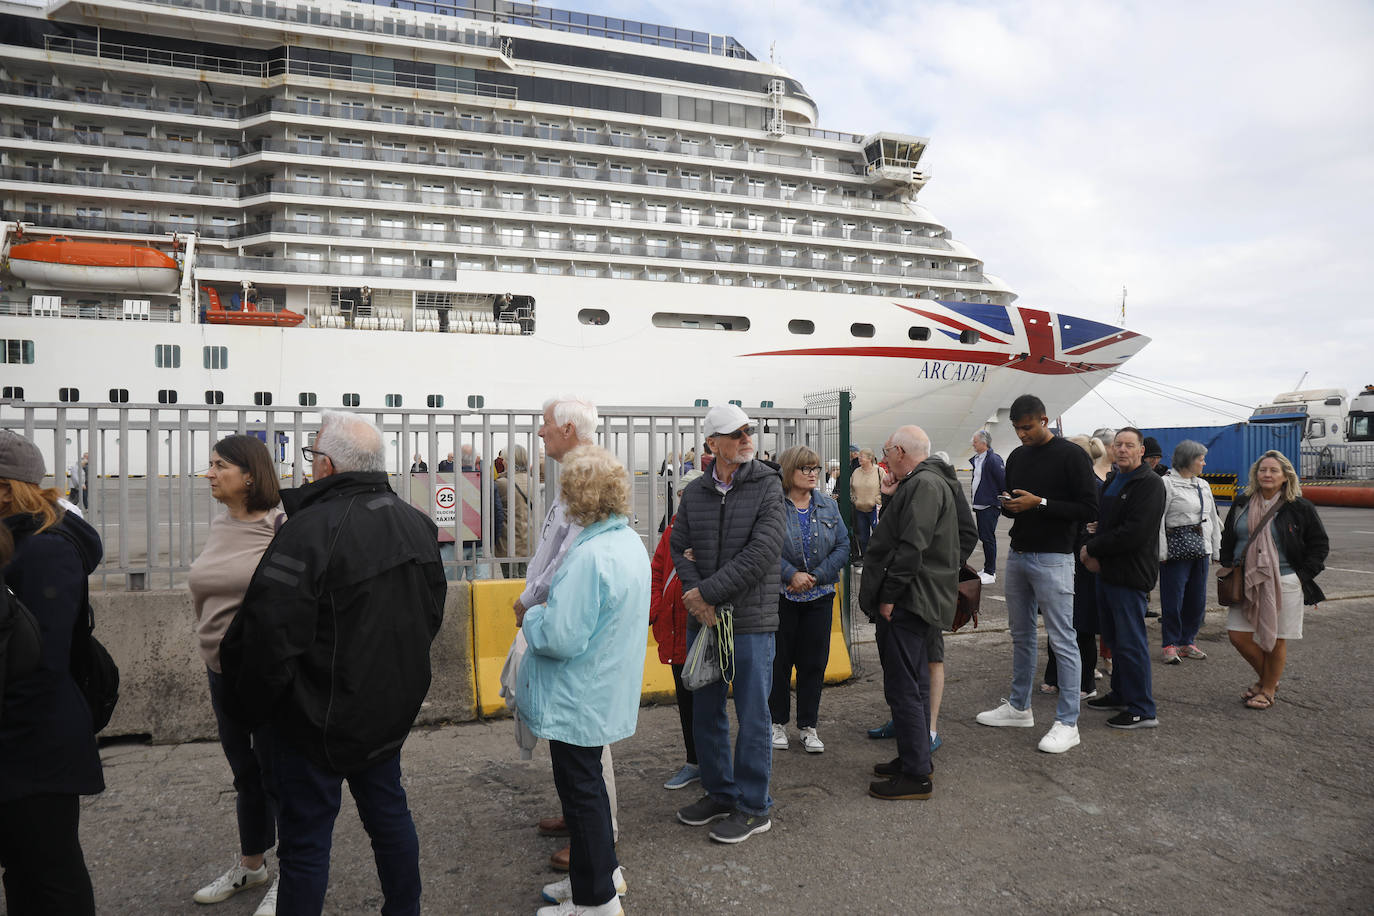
{"points": [[1222, 809]]}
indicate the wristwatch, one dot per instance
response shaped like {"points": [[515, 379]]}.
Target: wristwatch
{"points": [[1044, 502]]}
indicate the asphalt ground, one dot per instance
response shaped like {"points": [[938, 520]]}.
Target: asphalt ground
{"points": [[1222, 809]]}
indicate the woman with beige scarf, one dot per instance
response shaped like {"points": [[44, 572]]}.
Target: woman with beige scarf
{"points": [[1283, 545]]}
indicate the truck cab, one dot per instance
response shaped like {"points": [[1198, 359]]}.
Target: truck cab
{"points": [[1359, 423], [1322, 412]]}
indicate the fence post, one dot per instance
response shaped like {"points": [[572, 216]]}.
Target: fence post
{"points": [[846, 515]]}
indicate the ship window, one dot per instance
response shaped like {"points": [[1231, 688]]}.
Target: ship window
{"points": [[167, 356], [307, 399], [119, 395], [262, 398], [476, 401], [351, 400], [166, 396], [860, 329], [701, 322], [434, 401], [969, 336], [766, 405], [215, 357], [214, 397], [701, 402], [68, 395], [801, 326], [594, 316], [393, 400], [13, 392], [16, 351], [737, 403], [916, 333]]}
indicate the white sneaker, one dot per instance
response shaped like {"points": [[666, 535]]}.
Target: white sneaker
{"points": [[1007, 715], [568, 908], [779, 737], [268, 907], [236, 879], [987, 578], [810, 742], [561, 891], [1059, 738]]}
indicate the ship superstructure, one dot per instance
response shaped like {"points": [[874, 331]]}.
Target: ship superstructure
{"points": [[457, 197]]}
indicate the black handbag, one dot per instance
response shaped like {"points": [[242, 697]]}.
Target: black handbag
{"points": [[1185, 542]]}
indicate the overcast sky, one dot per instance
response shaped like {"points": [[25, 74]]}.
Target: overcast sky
{"points": [[1214, 158]]}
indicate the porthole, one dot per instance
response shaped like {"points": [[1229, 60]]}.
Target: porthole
{"points": [[119, 395], [801, 326], [166, 396], [214, 397], [861, 329], [916, 333], [594, 316], [969, 336]]}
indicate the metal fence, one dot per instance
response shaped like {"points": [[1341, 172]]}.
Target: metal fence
{"points": [[1338, 462], [148, 499]]}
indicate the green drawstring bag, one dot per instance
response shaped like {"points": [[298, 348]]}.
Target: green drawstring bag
{"points": [[713, 653]]}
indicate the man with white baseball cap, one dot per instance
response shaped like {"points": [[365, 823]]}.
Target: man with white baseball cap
{"points": [[726, 544]]}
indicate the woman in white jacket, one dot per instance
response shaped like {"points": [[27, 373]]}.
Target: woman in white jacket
{"points": [[1189, 536]]}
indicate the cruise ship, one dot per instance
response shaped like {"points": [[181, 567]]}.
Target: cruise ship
{"points": [[414, 204]]}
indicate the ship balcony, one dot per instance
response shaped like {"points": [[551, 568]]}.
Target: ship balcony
{"points": [[892, 162], [219, 19]]}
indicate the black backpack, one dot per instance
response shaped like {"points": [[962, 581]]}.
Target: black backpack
{"points": [[95, 672], [21, 641]]}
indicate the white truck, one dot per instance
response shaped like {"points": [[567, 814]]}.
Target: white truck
{"points": [[1321, 411], [1337, 440]]}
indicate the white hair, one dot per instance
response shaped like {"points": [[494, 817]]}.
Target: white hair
{"points": [[580, 412], [351, 442], [914, 440], [985, 436]]}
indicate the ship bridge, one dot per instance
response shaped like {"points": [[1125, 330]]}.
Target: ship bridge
{"points": [[893, 161]]}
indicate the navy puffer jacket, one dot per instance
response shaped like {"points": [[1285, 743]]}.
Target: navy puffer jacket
{"points": [[736, 539]]}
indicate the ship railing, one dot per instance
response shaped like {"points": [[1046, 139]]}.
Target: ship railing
{"points": [[148, 499], [353, 21], [218, 150], [61, 44], [94, 306], [1340, 461], [118, 182], [36, 90]]}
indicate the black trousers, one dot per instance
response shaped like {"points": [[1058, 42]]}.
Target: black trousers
{"points": [[803, 642], [684, 714], [1085, 625], [906, 686], [587, 809], [45, 872]]}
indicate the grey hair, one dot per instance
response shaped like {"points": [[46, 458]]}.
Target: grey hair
{"points": [[1105, 435], [580, 412], [519, 458], [914, 440], [985, 436], [351, 442], [1186, 452]]}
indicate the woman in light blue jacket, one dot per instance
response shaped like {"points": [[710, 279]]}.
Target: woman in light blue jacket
{"points": [[580, 680], [814, 552]]}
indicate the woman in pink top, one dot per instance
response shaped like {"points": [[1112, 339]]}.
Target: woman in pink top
{"points": [[243, 478]]}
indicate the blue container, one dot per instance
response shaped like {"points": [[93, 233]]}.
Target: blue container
{"points": [[1233, 448]]}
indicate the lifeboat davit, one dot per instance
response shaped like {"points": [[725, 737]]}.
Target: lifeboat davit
{"points": [[216, 313], [62, 263]]}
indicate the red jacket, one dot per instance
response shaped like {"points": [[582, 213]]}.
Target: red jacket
{"points": [[667, 612]]}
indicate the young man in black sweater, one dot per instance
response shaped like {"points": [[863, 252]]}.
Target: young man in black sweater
{"points": [[1052, 490]]}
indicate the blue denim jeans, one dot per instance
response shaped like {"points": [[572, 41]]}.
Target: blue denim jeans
{"points": [[864, 523], [308, 800], [1122, 612], [1182, 600], [1042, 582], [742, 783], [987, 534]]}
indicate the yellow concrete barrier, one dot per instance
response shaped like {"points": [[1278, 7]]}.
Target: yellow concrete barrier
{"points": [[838, 669]]}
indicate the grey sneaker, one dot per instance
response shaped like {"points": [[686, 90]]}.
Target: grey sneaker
{"points": [[703, 811], [739, 827], [684, 777], [236, 879], [1191, 651]]}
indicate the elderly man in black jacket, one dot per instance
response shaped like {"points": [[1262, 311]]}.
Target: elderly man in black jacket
{"points": [[909, 589], [330, 651], [1125, 555], [726, 546]]}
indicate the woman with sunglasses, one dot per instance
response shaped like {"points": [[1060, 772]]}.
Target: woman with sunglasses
{"points": [[814, 551]]}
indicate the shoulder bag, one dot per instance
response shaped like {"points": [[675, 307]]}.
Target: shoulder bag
{"points": [[1185, 542]]}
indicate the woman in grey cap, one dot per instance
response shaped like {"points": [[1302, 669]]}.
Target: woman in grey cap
{"points": [[48, 756]]}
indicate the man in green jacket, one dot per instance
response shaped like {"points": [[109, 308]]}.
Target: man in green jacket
{"points": [[909, 589]]}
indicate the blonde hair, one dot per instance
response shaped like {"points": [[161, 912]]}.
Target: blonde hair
{"points": [[1291, 489], [21, 497], [594, 485], [1091, 445], [868, 453], [792, 460]]}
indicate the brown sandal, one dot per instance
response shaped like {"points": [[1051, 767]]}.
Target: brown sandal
{"points": [[1260, 700], [1252, 690]]}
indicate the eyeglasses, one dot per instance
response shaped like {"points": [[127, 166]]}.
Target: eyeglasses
{"points": [[892, 448], [311, 454], [740, 433], [810, 469]]}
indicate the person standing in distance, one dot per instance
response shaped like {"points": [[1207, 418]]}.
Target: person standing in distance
{"points": [[989, 480], [568, 422], [726, 546], [1052, 490]]}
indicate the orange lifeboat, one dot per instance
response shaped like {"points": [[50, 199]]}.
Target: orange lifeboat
{"points": [[62, 263], [216, 313]]}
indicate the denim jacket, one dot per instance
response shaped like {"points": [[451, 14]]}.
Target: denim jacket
{"points": [[829, 540]]}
